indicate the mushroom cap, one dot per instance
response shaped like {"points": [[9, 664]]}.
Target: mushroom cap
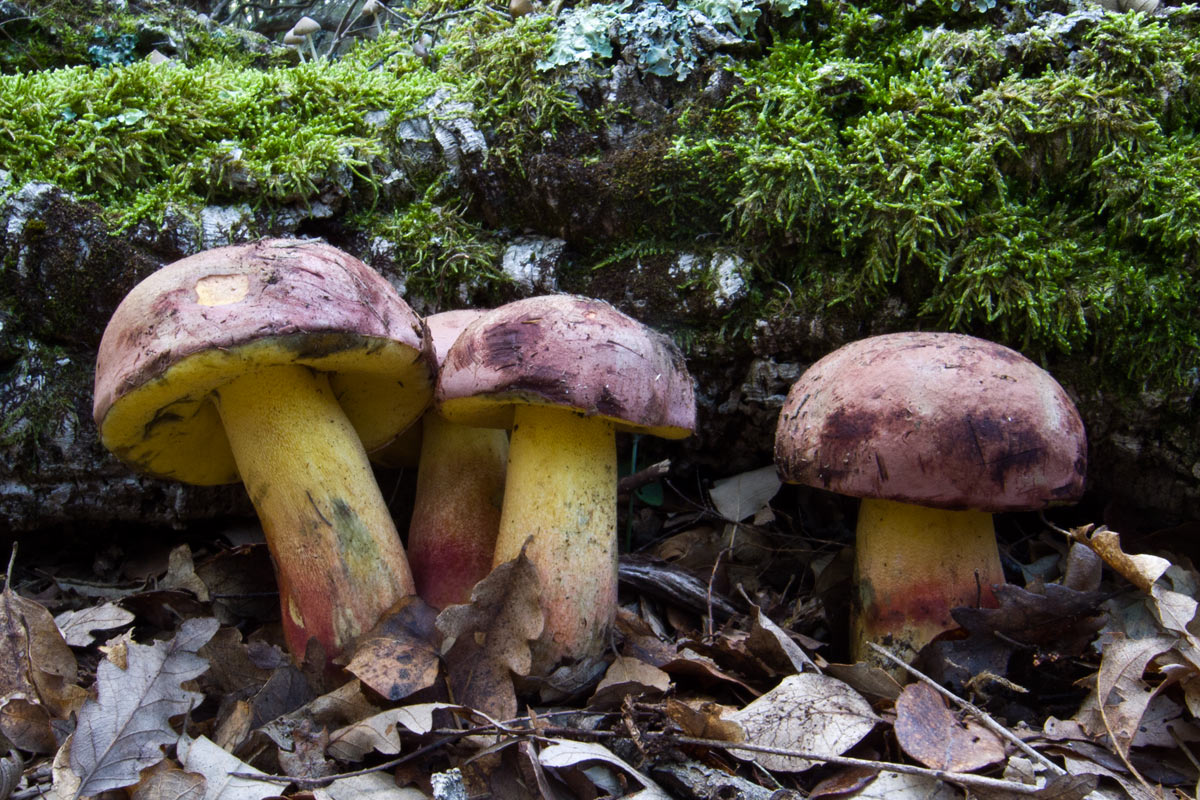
{"points": [[306, 26], [933, 419], [293, 38], [444, 327], [567, 351], [198, 323]]}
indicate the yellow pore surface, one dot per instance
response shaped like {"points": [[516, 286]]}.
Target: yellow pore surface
{"points": [[168, 426]]}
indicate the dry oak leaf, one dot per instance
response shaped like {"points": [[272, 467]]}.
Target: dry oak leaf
{"points": [[217, 766], [124, 730], [381, 732], [930, 732], [165, 781], [1140, 570], [566, 753], [399, 656], [629, 676], [1117, 706], [808, 713], [372, 786], [78, 627], [35, 661], [491, 637]]}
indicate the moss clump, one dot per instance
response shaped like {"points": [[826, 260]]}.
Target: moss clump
{"points": [[443, 255], [1054, 210], [136, 137]]}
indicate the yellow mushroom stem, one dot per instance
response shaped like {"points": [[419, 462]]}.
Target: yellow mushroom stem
{"points": [[337, 556], [561, 495], [912, 565], [456, 512]]}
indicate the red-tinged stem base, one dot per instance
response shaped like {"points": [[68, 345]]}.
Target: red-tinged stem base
{"points": [[912, 565], [456, 514]]}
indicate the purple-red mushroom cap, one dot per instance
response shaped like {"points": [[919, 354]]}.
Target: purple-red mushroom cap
{"points": [[199, 322], [941, 420], [570, 352]]}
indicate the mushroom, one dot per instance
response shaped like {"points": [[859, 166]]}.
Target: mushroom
{"points": [[373, 9], [304, 28], [460, 486], [565, 374], [935, 432], [276, 363]]}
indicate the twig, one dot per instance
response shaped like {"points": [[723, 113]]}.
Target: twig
{"points": [[962, 778], [971, 708], [631, 483]]}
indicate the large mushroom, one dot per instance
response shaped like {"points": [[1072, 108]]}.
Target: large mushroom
{"points": [[460, 486], [565, 374], [278, 364], [935, 432]]}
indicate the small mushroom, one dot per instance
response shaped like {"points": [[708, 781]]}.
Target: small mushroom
{"points": [[460, 486], [565, 374], [304, 29], [935, 432], [374, 9], [278, 364]]}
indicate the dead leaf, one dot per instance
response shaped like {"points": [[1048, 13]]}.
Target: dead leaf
{"points": [[164, 781], [491, 636], [27, 725], [78, 627], [399, 656], [629, 676], [503, 617], [181, 573], [1121, 697], [930, 732], [372, 786], [381, 732], [35, 661], [202, 756], [1059, 787], [746, 494], [901, 786], [123, 731], [1140, 570], [809, 713], [565, 753], [773, 645]]}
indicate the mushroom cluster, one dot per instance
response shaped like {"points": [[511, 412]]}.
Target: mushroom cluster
{"points": [[283, 363]]}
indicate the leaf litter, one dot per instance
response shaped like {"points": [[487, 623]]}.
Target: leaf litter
{"points": [[1083, 683]]}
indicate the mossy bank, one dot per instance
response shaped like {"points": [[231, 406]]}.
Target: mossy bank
{"points": [[763, 180]]}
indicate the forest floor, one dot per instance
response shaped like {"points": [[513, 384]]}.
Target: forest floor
{"points": [[152, 666]]}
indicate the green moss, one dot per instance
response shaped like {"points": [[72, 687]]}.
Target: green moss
{"points": [[1055, 210], [136, 137], [440, 252]]}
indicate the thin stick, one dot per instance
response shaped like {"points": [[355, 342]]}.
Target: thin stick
{"points": [[971, 708], [962, 778]]}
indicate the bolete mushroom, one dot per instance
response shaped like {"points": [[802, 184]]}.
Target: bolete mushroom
{"points": [[460, 486], [565, 374], [935, 432], [276, 363]]}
